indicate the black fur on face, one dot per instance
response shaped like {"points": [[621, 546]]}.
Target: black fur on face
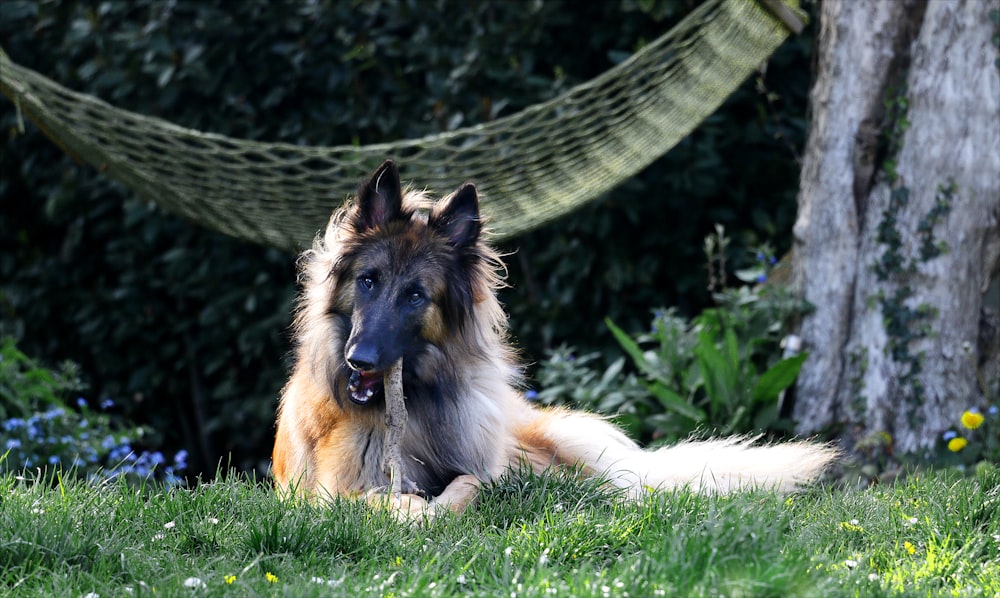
{"points": [[405, 286]]}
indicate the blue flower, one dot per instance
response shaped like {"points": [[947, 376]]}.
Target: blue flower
{"points": [[949, 435], [107, 404], [54, 459], [762, 278], [120, 452], [12, 424], [773, 260], [760, 256], [180, 459], [13, 443], [53, 413], [992, 410], [531, 394], [81, 402]]}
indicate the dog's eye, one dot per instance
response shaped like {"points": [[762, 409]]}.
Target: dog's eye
{"points": [[416, 298], [366, 281]]}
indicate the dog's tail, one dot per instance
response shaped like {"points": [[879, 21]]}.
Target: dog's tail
{"points": [[720, 465]]}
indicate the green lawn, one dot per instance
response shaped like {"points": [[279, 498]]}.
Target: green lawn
{"points": [[929, 535]]}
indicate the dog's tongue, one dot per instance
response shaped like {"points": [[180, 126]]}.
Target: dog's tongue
{"points": [[363, 385]]}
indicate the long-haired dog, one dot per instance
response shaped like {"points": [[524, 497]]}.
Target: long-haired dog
{"points": [[396, 276]]}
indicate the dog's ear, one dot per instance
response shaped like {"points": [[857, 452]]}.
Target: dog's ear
{"points": [[458, 219], [380, 198]]}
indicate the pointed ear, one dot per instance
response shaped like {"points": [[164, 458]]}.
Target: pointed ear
{"points": [[380, 198], [458, 220]]}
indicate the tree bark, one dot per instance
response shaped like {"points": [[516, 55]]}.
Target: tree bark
{"points": [[897, 236]]}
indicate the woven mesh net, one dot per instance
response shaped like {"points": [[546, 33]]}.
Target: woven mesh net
{"points": [[531, 167]]}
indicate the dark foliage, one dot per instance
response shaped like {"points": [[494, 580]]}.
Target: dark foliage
{"points": [[187, 329]]}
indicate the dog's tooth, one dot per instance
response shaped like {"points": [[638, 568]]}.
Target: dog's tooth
{"points": [[369, 393]]}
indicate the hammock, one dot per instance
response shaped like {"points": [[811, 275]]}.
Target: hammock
{"points": [[531, 167]]}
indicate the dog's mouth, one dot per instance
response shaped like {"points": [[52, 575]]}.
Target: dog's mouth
{"points": [[365, 387]]}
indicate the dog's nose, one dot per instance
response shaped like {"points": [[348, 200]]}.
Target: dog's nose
{"points": [[362, 358]]}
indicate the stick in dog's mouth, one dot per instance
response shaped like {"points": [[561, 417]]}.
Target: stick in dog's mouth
{"points": [[395, 423]]}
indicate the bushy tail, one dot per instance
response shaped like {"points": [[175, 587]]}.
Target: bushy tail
{"points": [[721, 465]]}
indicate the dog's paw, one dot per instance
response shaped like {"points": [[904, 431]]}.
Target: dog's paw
{"points": [[405, 507]]}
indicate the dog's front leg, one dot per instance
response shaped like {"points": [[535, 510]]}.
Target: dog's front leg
{"points": [[457, 495], [411, 507], [406, 507]]}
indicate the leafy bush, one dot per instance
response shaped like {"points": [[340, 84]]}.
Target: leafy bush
{"points": [[723, 370], [87, 442]]}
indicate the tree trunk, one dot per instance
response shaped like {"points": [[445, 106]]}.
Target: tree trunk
{"points": [[897, 236]]}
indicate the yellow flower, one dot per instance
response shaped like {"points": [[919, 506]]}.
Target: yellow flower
{"points": [[972, 419], [851, 526], [957, 444], [229, 579], [910, 548], [271, 577]]}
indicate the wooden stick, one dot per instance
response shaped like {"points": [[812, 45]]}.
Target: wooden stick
{"points": [[395, 423]]}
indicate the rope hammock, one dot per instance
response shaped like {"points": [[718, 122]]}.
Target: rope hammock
{"points": [[531, 167]]}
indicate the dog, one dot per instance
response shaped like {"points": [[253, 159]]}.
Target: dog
{"points": [[396, 275]]}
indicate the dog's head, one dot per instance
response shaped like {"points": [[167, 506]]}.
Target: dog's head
{"points": [[405, 286]]}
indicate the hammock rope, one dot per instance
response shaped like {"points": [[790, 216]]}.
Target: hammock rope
{"points": [[531, 167]]}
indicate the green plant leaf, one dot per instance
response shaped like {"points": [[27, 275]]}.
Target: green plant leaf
{"points": [[778, 378], [631, 347], [718, 373], [675, 402]]}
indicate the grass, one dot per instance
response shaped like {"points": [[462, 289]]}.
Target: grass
{"points": [[928, 535]]}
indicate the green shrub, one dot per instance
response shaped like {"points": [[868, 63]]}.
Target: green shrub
{"points": [[41, 430], [724, 370]]}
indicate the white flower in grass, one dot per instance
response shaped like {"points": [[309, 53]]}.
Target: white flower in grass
{"points": [[851, 563], [213, 521], [91, 595], [195, 583], [169, 525]]}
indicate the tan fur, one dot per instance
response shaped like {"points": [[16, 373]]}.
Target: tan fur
{"points": [[323, 448]]}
